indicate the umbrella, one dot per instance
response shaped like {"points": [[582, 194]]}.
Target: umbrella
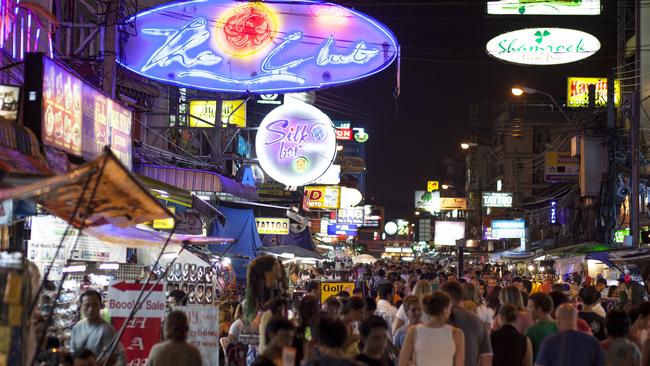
{"points": [[364, 259]]}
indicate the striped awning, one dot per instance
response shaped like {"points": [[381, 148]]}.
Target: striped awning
{"points": [[197, 180]]}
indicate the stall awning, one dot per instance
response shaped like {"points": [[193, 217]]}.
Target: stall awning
{"points": [[103, 191], [167, 192], [134, 237], [198, 180], [16, 163], [293, 250], [19, 151]]}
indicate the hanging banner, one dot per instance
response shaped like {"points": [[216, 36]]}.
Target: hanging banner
{"points": [[46, 235], [144, 329], [204, 331]]}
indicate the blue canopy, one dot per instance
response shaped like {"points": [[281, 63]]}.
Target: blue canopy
{"points": [[302, 239], [239, 225]]}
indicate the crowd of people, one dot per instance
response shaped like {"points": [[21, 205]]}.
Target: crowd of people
{"points": [[401, 315]]}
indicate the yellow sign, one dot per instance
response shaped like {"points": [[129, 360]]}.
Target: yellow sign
{"points": [[449, 203], [272, 225], [232, 112], [325, 197], [578, 91], [329, 289], [165, 223], [432, 185]]}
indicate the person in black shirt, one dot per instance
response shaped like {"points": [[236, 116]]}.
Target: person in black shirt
{"points": [[509, 347], [374, 336], [590, 298], [279, 334]]}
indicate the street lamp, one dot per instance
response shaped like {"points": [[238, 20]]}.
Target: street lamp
{"points": [[467, 145], [446, 186]]}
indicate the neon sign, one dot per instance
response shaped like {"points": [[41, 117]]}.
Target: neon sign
{"points": [[295, 144], [232, 46], [543, 46]]}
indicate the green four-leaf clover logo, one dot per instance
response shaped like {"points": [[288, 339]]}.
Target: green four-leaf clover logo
{"points": [[541, 35]]}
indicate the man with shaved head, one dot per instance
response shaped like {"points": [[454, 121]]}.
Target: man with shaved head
{"points": [[568, 346]]}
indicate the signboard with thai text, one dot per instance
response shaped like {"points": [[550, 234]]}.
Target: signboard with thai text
{"points": [[79, 119], [561, 167], [578, 92], [453, 203], [258, 47]]}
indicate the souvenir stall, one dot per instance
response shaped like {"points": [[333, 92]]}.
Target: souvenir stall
{"points": [[99, 197]]}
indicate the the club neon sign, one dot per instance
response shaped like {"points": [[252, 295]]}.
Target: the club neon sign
{"points": [[295, 144], [225, 45]]}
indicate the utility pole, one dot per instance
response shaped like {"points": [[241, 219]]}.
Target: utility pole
{"points": [[634, 127]]}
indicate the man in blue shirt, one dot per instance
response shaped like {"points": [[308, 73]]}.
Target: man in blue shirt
{"points": [[569, 347]]}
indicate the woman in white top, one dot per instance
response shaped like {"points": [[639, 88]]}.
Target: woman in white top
{"points": [[474, 303], [434, 343], [421, 288]]}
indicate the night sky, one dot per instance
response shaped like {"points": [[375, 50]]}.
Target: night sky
{"points": [[444, 69]]}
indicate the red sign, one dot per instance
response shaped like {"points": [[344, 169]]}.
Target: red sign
{"points": [[344, 134], [143, 331]]}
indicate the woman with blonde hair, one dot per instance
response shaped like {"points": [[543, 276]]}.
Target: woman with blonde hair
{"points": [[421, 288], [474, 303], [512, 295]]}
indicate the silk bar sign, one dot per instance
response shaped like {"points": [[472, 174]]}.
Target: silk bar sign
{"points": [[543, 46]]}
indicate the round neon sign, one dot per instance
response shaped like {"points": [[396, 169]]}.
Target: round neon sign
{"points": [[295, 144]]}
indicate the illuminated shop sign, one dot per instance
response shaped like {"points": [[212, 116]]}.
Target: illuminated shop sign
{"points": [[272, 225], [543, 46], [497, 199], [561, 167], [447, 232], [295, 144], [324, 197], [342, 229], [452, 203], [234, 46], [350, 215], [233, 112], [578, 91], [273, 99], [344, 134], [544, 7], [79, 119], [508, 229]]}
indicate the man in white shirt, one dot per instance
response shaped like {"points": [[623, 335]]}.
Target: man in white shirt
{"points": [[94, 334], [385, 307]]}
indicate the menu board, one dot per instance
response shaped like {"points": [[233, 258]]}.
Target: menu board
{"points": [[9, 102], [61, 108], [81, 120]]}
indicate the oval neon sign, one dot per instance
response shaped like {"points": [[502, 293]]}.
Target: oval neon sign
{"points": [[295, 144], [543, 46], [235, 46]]}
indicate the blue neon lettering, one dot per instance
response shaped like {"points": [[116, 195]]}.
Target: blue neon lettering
{"points": [[360, 55], [196, 33], [178, 43], [266, 67]]}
